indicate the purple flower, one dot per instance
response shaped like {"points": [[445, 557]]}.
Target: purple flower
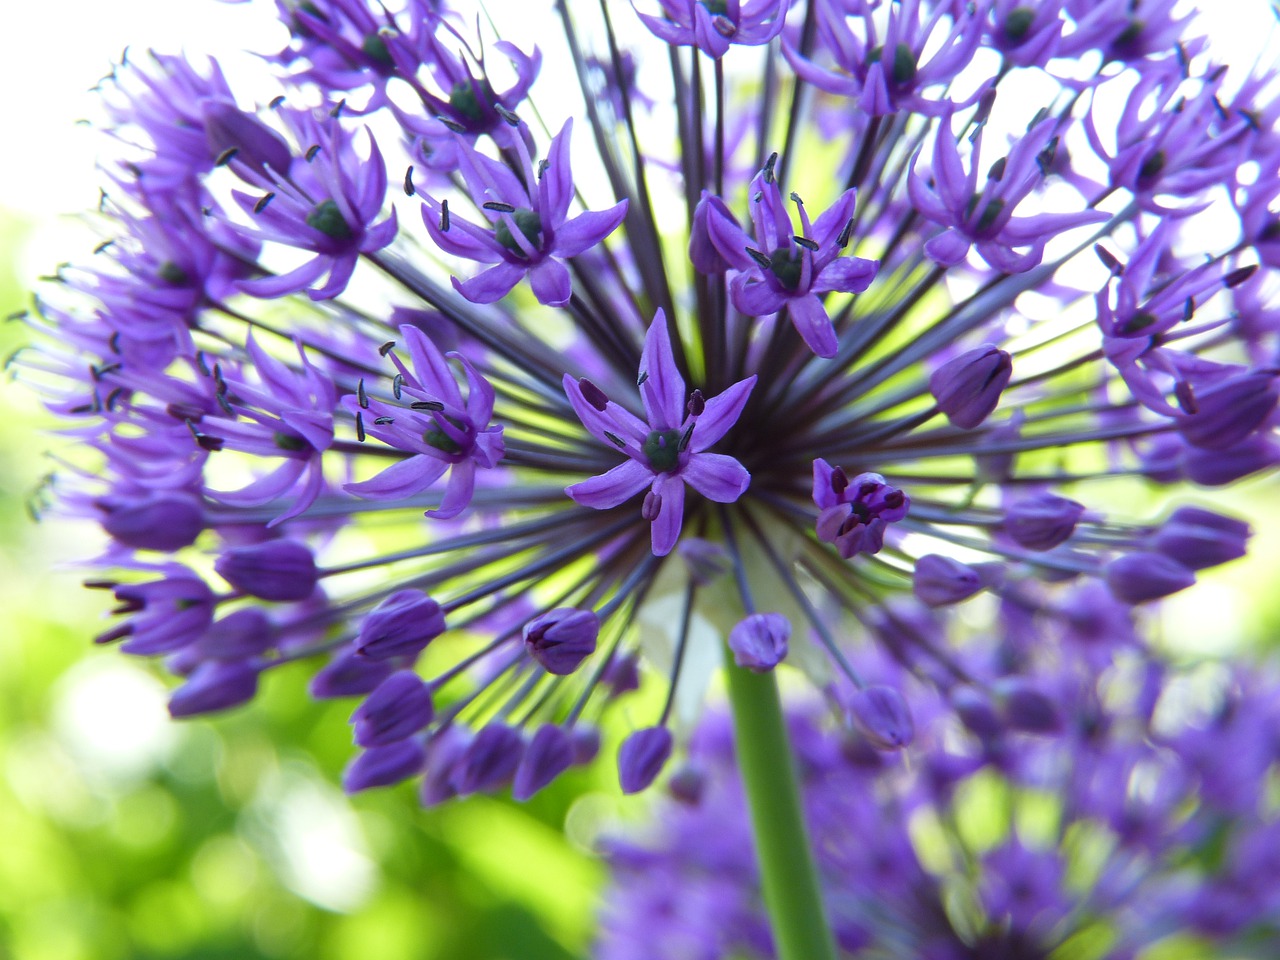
{"points": [[548, 754], [667, 452], [400, 626], [855, 513], [561, 639], [212, 686], [326, 207], [760, 641], [968, 387], [432, 424], [985, 215], [530, 234], [642, 756], [781, 269], [280, 570], [396, 710], [713, 27]]}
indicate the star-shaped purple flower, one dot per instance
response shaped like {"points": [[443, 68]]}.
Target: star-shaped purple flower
{"points": [[783, 269], [530, 233], [668, 451], [714, 25], [434, 424]]}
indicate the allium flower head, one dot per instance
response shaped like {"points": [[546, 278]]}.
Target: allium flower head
{"points": [[791, 331]]}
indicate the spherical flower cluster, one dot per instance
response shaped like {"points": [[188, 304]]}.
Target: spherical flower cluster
{"points": [[312, 428], [1133, 823]]}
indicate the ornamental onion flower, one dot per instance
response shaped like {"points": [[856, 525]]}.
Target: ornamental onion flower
{"points": [[1143, 824], [312, 430]]}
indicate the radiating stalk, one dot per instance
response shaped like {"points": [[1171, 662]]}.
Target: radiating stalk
{"points": [[791, 893]]}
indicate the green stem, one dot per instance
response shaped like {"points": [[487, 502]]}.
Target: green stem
{"points": [[791, 892]]}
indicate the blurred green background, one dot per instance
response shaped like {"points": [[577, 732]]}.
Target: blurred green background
{"points": [[124, 835]]}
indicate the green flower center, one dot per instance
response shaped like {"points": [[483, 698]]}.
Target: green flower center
{"points": [[327, 218], [375, 48], [530, 225], [463, 99], [173, 274], [287, 441], [1018, 22], [787, 267], [662, 450], [437, 437], [989, 213]]}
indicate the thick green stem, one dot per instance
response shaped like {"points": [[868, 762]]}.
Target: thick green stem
{"points": [[791, 892]]}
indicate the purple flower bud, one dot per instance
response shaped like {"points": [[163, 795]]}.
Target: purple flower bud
{"points": [[237, 636], [1140, 577], [349, 675], [489, 761], [549, 754], [228, 128], [214, 686], [968, 388], [399, 708], [882, 716], [1216, 468], [642, 757], [1229, 411], [443, 753], [156, 521], [939, 580], [561, 639], [707, 561], [280, 570], [688, 784], [1042, 522], [1199, 539], [400, 626], [1028, 708], [586, 744], [759, 642], [383, 766], [622, 675], [975, 710]]}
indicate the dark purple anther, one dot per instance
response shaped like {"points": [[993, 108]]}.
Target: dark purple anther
{"points": [[549, 754], [214, 686], [651, 507], [697, 403], [383, 766], [561, 639], [280, 570], [399, 708], [1042, 522], [883, 717], [1140, 577], [642, 757], [400, 626], [759, 642], [490, 761], [593, 394], [968, 387]]}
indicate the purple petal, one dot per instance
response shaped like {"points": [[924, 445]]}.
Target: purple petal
{"points": [[845, 274], [720, 414], [430, 368], [339, 274], [663, 389], [457, 494], [665, 530], [947, 248], [556, 185], [264, 489], [298, 279], [587, 229], [755, 298], [613, 488], [491, 285], [715, 476], [551, 283], [817, 331], [400, 480]]}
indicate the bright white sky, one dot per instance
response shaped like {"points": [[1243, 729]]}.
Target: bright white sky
{"points": [[49, 60]]}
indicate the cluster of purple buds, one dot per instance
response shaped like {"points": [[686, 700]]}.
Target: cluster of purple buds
{"points": [[544, 390], [1005, 836]]}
